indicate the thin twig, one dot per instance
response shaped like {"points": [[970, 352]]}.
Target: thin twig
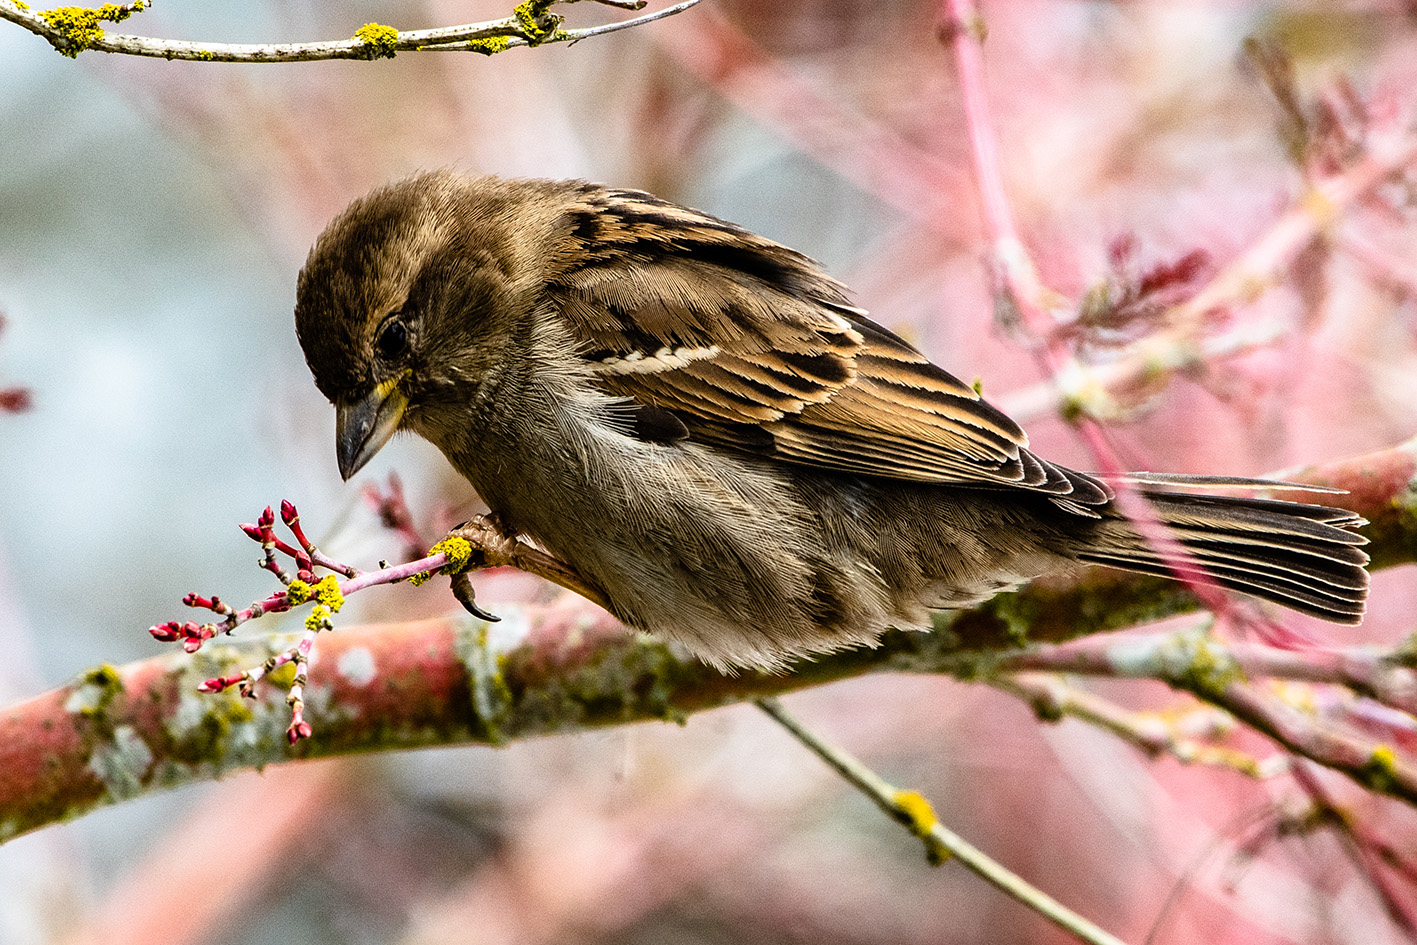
{"points": [[912, 810], [1182, 737], [1366, 859], [486, 37], [1213, 672], [576, 35], [1370, 671]]}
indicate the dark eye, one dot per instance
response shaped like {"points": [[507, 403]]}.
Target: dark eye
{"points": [[392, 341]]}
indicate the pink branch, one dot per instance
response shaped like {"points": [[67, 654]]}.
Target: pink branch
{"points": [[873, 156], [307, 559], [963, 27], [1017, 284], [1368, 857], [449, 681]]}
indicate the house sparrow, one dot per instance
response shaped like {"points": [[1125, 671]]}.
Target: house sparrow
{"points": [[699, 422]]}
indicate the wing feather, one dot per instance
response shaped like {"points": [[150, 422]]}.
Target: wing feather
{"points": [[754, 348]]}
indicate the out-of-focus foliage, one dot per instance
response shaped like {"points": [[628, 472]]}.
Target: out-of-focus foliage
{"points": [[153, 216]]}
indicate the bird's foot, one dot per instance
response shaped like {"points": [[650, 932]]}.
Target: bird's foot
{"points": [[495, 544]]}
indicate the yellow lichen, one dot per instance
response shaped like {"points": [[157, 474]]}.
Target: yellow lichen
{"points": [[382, 40], [319, 618], [458, 550], [1208, 672], [94, 691], [921, 818], [1381, 769], [79, 25], [328, 593], [536, 24], [489, 46], [297, 592], [921, 814]]}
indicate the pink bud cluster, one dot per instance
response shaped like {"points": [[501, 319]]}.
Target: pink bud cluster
{"points": [[191, 633], [307, 559], [305, 586]]}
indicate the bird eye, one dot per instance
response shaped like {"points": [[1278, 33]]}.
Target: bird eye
{"points": [[392, 340]]}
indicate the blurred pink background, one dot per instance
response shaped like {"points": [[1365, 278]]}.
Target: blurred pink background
{"points": [[154, 216]]}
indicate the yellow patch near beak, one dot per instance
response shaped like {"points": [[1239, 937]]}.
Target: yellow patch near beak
{"points": [[362, 428]]}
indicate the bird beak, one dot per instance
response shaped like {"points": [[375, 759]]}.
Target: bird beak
{"points": [[361, 429]]}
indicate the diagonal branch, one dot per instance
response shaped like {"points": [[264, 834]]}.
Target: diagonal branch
{"points": [[941, 843]]}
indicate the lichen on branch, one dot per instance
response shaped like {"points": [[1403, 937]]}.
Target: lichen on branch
{"points": [[78, 27], [72, 30]]}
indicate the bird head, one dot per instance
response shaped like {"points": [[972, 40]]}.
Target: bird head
{"points": [[410, 300]]}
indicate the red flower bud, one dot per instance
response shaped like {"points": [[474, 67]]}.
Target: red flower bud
{"points": [[166, 632]]}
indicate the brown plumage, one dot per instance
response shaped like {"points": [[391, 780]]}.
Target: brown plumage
{"points": [[698, 421]]}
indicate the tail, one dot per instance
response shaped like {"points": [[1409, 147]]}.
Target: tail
{"points": [[1305, 557]]}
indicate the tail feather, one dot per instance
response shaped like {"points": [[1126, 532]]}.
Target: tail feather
{"points": [[1305, 557], [1258, 515], [1342, 568]]}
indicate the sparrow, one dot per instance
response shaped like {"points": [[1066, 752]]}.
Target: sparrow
{"points": [[698, 421]]}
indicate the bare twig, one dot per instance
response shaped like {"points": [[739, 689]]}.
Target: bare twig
{"points": [[1377, 673], [532, 25], [1183, 737], [1221, 675], [941, 843]]}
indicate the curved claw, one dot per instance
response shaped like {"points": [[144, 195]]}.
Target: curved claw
{"points": [[462, 590]]}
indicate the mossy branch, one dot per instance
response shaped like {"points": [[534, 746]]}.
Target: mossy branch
{"points": [[115, 733]]}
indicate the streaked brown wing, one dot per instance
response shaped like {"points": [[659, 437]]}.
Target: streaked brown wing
{"points": [[755, 349]]}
